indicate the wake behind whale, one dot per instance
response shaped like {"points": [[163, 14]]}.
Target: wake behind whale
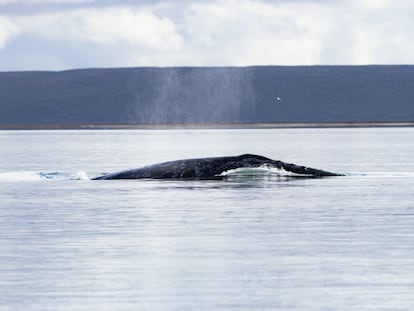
{"points": [[213, 168]]}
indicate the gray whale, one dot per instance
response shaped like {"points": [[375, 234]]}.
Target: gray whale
{"points": [[211, 168]]}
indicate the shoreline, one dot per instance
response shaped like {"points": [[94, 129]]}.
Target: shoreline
{"points": [[166, 126]]}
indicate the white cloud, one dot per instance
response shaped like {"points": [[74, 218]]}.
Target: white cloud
{"points": [[2, 2], [7, 30], [110, 26], [381, 32], [250, 32], [141, 27], [372, 4], [222, 32]]}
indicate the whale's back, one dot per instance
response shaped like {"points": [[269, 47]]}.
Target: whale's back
{"points": [[210, 168]]}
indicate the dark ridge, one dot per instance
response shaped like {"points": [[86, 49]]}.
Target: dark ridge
{"points": [[208, 95]]}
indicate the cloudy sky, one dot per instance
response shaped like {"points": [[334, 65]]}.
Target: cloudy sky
{"points": [[65, 34]]}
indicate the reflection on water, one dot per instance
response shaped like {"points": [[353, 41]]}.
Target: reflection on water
{"points": [[237, 244]]}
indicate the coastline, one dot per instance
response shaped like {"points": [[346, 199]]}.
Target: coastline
{"points": [[166, 126]]}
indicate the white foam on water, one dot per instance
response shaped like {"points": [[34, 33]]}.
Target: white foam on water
{"points": [[20, 176], [261, 171], [270, 171], [24, 176], [381, 174], [81, 175]]}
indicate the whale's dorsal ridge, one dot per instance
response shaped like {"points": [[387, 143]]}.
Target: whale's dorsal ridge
{"points": [[253, 156]]}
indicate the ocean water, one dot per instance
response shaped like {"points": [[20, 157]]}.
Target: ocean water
{"points": [[247, 243]]}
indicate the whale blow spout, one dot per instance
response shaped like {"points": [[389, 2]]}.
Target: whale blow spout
{"points": [[214, 168]]}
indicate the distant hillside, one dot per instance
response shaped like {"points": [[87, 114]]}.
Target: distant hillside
{"points": [[209, 95]]}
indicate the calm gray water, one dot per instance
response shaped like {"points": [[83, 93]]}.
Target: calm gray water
{"points": [[341, 243]]}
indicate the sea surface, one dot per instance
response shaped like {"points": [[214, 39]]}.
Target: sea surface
{"points": [[247, 243]]}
